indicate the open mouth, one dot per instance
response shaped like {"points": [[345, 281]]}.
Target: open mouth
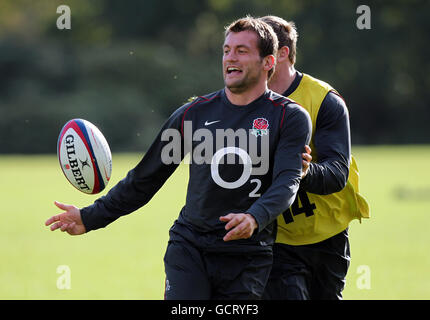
{"points": [[233, 70]]}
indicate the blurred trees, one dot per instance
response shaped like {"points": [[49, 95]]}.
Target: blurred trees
{"points": [[126, 65]]}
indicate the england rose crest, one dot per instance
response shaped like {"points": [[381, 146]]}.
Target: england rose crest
{"points": [[259, 127]]}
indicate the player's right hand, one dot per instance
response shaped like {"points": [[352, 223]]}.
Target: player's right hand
{"points": [[307, 158], [69, 221]]}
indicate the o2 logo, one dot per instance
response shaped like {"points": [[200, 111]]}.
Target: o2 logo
{"points": [[246, 173]]}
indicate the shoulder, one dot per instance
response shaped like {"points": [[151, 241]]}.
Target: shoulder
{"points": [[292, 110], [333, 106], [315, 83], [332, 102], [278, 100], [331, 95], [186, 111], [195, 101], [210, 97], [289, 104], [295, 112]]}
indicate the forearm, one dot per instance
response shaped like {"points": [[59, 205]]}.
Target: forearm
{"points": [[332, 143], [131, 193], [140, 184], [287, 170], [325, 178], [279, 197]]}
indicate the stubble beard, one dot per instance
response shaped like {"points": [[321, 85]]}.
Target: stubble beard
{"points": [[248, 81]]}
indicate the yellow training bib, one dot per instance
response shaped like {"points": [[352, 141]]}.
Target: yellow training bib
{"points": [[313, 218]]}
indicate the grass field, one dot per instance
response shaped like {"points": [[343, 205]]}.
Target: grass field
{"points": [[390, 251]]}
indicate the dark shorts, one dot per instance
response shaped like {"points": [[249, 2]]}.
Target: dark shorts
{"points": [[316, 271], [193, 273]]}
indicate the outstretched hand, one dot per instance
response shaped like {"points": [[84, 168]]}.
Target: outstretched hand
{"points": [[69, 221]]}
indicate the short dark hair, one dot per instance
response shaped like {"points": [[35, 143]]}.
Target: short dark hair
{"points": [[286, 32], [267, 40]]}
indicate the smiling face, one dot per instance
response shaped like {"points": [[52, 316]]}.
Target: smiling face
{"points": [[242, 64]]}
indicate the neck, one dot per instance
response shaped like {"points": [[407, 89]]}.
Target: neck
{"points": [[282, 78], [247, 96]]}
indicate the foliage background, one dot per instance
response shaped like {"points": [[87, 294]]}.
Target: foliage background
{"points": [[126, 66]]}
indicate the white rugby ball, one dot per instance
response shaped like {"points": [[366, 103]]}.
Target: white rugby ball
{"points": [[84, 156]]}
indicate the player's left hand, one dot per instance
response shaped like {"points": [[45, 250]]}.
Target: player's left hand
{"points": [[241, 226]]}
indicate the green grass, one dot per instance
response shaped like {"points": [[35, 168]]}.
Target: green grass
{"points": [[394, 243], [125, 260], [122, 261]]}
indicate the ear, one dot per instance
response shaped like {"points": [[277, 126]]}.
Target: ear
{"points": [[283, 54], [269, 62]]}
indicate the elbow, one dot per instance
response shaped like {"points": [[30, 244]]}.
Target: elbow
{"points": [[340, 181], [338, 187], [326, 180], [337, 178]]}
